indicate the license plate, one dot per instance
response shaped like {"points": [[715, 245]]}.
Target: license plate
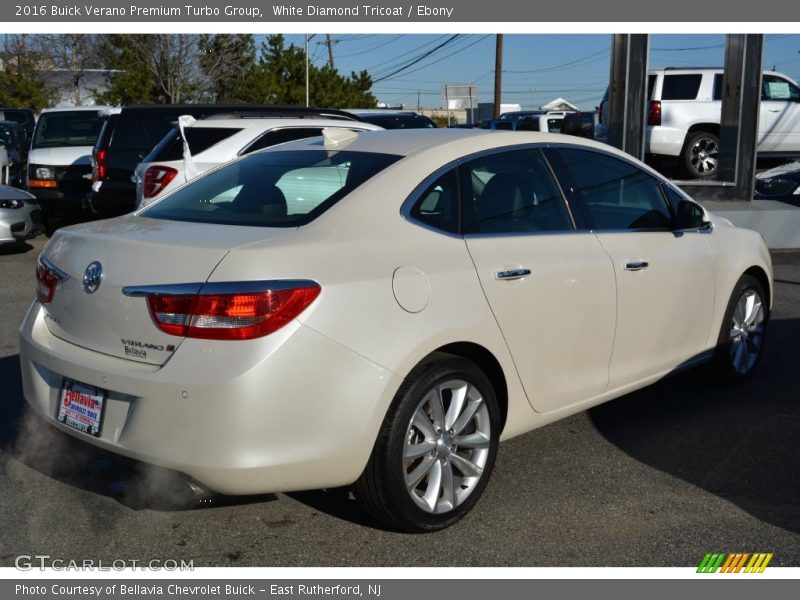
{"points": [[80, 406]]}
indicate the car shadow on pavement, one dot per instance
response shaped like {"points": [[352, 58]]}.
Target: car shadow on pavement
{"points": [[27, 438], [15, 248], [739, 442], [338, 503]]}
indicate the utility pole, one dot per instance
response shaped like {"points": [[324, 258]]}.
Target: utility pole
{"points": [[417, 100], [329, 43], [498, 74], [307, 70]]}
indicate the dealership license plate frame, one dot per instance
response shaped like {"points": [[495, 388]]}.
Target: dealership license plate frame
{"points": [[97, 394]]}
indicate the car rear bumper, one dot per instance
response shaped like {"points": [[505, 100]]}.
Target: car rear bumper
{"points": [[238, 417], [667, 141]]}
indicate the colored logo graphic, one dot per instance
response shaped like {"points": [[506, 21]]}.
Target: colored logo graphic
{"points": [[734, 562]]}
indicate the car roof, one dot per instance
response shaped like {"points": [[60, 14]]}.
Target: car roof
{"points": [[408, 142]]}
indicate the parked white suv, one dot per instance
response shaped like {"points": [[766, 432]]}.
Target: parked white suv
{"points": [[683, 116], [217, 140]]}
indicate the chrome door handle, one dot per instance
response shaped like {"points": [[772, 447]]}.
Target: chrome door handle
{"points": [[636, 265], [512, 274], [774, 110]]}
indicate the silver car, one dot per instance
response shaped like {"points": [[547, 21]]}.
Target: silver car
{"points": [[20, 215]]}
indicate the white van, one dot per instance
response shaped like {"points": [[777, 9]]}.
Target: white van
{"points": [[59, 164]]}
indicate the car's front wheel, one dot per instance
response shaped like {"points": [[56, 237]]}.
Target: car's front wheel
{"points": [[741, 339], [436, 448]]}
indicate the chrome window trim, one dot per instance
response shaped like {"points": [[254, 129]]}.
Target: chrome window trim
{"points": [[213, 288]]}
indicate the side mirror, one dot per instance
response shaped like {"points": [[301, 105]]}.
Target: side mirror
{"points": [[690, 216]]}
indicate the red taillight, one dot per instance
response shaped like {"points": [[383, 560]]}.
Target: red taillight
{"points": [[241, 316], [101, 171], [654, 112], [46, 282], [156, 178]]}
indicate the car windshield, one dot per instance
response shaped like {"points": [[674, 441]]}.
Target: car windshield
{"points": [[67, 128], [271, 189]]}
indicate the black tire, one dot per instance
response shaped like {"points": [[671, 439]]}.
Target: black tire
{"points": [[725, 365], [382, 491], [700, 155]]}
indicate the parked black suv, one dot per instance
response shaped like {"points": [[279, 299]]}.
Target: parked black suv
{"points": [[127, 137]]}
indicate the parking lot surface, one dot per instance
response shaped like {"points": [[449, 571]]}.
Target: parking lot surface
{"points": [[656, 478]]}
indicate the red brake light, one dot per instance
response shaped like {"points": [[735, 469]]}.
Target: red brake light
{"points": [[101, 172], [238, 316], [654, 113], [46, 282], [156, 178]]}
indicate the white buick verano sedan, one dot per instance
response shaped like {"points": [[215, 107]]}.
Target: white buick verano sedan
{"points": [[381, 309]]}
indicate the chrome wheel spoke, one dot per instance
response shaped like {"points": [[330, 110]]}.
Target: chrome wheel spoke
{"points": [[423, 423], [467, 468], [431, 495], [457, 400], [414, 451], [437, 408], [469, 412], [472, 440], [448, 500], [420, 472]]}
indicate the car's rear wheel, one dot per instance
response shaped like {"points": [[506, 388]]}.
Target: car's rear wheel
{"points": [[436, 448], [744, 327], [701, 155]]}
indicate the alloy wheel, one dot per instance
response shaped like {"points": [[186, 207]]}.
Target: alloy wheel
{"points": [[446, 446], [747, 331]]}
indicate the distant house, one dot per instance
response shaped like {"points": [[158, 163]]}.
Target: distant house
{"points": [[559, 104]]}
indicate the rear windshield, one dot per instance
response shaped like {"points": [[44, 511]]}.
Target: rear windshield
{"points": [[272, 189], [200, 139], [68, 128]]}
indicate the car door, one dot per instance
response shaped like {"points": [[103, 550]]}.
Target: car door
{"points": [[779, 116], [550, 286], [664, 278]]}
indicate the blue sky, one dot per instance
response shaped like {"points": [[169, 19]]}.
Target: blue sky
{"points": [[536, 68]]}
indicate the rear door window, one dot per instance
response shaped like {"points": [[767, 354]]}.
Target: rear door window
{"points": [[512, 192], [681, 87]]}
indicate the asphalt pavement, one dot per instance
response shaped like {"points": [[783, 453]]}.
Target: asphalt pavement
{"points": [[656, 478]]}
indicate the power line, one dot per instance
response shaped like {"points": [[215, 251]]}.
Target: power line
{"points": [[393, 60], [445, 57], [418, 59]]}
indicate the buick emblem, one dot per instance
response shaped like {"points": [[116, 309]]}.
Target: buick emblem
{"points": [[92, 277]]}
